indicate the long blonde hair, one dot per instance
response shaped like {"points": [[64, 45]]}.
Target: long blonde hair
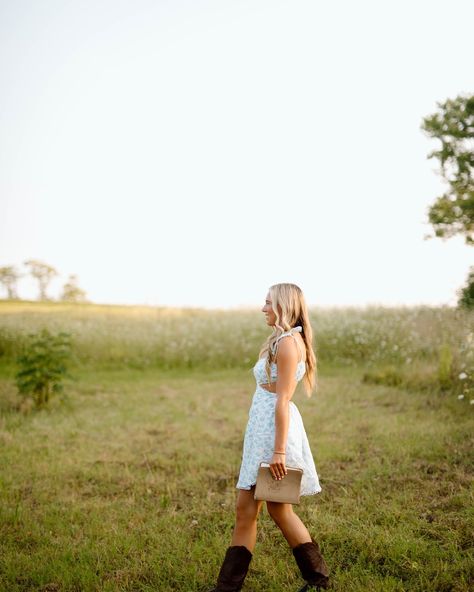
{"points": [[289, 298]]}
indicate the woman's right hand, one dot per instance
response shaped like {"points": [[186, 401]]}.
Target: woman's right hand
{"points": [[277, 466]]}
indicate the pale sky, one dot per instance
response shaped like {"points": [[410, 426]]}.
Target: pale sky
{"points": [[192, 153]]}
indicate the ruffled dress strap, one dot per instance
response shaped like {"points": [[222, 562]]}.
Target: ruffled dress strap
{"points": [[297, 329]]}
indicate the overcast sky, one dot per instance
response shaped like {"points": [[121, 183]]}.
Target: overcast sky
{"points": [[193, 153]]}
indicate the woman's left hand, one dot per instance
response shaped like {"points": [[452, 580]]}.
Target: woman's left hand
{"points": [[277, 466]]}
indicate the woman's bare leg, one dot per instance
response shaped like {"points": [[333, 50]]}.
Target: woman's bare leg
{"points": [[246, 514], [291, 525]]}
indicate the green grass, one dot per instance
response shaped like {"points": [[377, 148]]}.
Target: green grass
{"points": [[129, 484]]}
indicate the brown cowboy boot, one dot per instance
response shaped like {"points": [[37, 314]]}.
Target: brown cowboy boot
{"points": [[234, 569], [312, 566]]}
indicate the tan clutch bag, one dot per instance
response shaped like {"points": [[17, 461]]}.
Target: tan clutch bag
{"points": [[286, 491]]}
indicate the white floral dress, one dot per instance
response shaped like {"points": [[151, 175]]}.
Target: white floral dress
{"points": [[259, 439]]}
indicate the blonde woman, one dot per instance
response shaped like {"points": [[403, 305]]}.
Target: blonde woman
{"points": [[275, 434]]}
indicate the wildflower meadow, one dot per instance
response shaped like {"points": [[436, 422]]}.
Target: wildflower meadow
{"points": [[125, 480]]}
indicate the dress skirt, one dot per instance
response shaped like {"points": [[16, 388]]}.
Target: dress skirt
{"points": [[259, 441]]}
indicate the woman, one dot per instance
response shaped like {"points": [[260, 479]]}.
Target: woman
{"points": [[275, 434]]}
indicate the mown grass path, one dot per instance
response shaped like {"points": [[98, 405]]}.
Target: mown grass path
{"points": [[130, 485]]}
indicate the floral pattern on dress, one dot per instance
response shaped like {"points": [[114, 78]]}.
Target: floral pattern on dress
{"points": [[259, 436]]}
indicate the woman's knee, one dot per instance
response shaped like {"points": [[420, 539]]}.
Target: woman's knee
{"points": [[246, 508], [279, 511]]}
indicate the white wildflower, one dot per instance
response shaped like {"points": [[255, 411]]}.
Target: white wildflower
{"points": [[460, 396], [471, 402], [462, 376]]}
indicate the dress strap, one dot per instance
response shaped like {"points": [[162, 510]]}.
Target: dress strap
{"points": [[298, 329]]}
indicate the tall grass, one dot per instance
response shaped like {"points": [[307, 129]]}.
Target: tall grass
{"points": [[141, 337]]}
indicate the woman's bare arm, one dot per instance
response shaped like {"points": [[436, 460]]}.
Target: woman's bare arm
{"points": [[287, 362]]}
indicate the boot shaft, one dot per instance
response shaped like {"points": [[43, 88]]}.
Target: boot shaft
{"points": [[234, 569], [311, 563]]}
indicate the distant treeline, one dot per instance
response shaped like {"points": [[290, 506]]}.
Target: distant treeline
{"points": [[43, 274]]}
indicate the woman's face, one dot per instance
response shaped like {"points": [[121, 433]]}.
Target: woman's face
{"points": [[270, 316]]}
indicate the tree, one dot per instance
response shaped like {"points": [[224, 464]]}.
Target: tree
{"points": [[9, 277], [72, 292], [453, 212], [43, 273], [453, 124], [466, 294]]}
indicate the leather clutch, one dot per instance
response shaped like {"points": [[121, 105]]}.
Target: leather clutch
{"points": [[286, 490]]}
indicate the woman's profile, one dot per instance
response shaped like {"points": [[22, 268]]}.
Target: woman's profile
{"points": [[275, 434]]}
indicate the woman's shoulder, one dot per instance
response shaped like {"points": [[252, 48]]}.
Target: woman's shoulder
{"points": [[287, 350]]}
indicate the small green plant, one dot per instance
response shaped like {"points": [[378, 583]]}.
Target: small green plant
{"points": [[43, 364], [389, 375], [445, 364]]}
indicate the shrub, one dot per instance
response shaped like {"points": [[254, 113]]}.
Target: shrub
{"points": [[43, 365]]}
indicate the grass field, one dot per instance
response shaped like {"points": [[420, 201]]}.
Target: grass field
{"points": [[128, 482]]}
